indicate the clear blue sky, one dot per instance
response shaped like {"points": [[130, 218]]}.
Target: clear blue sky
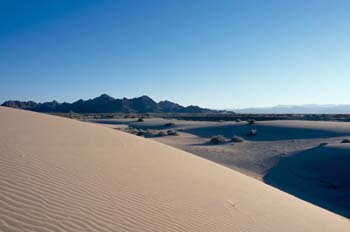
{"points": [[213, 53]]}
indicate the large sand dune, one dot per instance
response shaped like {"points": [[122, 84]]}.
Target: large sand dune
{"points": [[58, 174], [303, 158]]}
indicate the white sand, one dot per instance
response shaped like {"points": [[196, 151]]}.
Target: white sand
{"points": [[58, 174]]}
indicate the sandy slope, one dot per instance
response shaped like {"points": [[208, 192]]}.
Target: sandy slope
{"points": [[58, 174], [319, 175], [285, 153]]}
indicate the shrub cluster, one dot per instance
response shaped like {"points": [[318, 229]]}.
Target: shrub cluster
{"points": [[149, 132], [251, 121], [169, 124], [217, 139], [172, 132], [237, 139], [252, 132]]}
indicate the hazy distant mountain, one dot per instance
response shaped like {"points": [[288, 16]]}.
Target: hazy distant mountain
{"points": [[301, 109], [108, 104]]}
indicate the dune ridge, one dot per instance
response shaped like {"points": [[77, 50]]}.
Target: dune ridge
{"points": [[58, 174]]}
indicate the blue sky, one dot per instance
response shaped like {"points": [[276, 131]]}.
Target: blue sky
{"points": [[213, 53]]}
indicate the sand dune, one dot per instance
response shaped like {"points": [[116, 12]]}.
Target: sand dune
{"points": [[58, 174], [319, 175], [284, 153]]}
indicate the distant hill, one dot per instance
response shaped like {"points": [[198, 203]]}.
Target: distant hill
{"points": [[298, 109], [108, 104]]}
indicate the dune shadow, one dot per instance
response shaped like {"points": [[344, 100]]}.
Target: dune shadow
{"points": [[264, 133], [320, 175], [210, 144], [112, 122], [134, 124]]}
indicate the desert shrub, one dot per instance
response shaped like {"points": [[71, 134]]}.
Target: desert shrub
{"points": [[140, 132], [252, 132], [221, 120], [151, 133], [251, 121], [132, 131], [140, 120], [172, 132], [161, 133], [237, 139], [169, 124], [345, 141], [238, 120], [217, 139]]}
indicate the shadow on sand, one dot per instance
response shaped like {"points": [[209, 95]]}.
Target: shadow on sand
{"points": [[320, 175], [264, 133]]}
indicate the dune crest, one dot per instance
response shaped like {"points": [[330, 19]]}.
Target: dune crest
{"points": [[58, 174]]}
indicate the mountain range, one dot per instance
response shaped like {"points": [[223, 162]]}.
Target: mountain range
{"points": [[108, 104], [297, 109]]}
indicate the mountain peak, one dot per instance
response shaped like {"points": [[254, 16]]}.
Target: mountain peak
{"points": [[144, 97], [107, 104], [105, 96]]}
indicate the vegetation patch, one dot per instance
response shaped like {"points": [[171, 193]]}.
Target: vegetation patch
{"points": [[237, 139], [217, 139], [172, 132], [161, 133], [251, 121], [252, 132], [169, 124]]}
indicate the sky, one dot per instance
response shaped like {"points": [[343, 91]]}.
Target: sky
{"points": [[219, 54]]}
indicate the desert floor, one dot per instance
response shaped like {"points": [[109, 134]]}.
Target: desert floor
{"points": [[303, 158], [58, 174]]}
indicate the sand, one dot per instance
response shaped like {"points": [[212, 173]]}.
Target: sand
{"points": [[58, 174], [285, 154], [256, 156], [319, 175]]}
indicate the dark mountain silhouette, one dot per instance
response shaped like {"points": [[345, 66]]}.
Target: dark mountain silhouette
{"points": [[169, 106], [108, 104]]}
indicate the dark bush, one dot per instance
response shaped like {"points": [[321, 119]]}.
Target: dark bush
{"points": [[132, 130], [252, 132], [237, 139], [172, 132], [140, 120], [345, 141], [217, 139], [251, 121], [161, 133], [140, 132], [169, 124]]}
